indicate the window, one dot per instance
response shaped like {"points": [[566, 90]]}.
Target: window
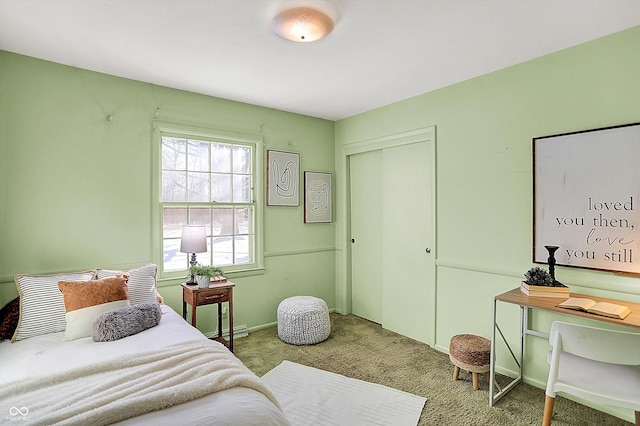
{"points": [[208, 178]]}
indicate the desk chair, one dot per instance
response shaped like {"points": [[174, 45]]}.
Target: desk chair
{"points": [[594, 364]]}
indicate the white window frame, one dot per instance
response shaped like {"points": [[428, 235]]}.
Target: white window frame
{"points": [[190, 132]]}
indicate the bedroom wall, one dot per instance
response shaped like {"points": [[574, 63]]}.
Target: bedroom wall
{"points": [[484, 129], [75, 186]]}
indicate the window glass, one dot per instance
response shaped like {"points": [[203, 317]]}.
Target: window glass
{"points": [[209, 183]]}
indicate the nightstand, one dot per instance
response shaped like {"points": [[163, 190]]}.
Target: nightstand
{"points": [[217, 293]]}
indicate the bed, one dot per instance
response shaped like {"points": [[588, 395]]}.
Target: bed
{"points": [[167, 374]]}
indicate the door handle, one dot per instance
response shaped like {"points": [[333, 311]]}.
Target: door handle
{"points": [[428, 250]]}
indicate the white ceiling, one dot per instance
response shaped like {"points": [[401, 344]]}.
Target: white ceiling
{"points": [[380, 51]]}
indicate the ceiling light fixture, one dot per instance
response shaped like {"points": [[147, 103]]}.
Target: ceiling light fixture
{"points": [[302, 24]]}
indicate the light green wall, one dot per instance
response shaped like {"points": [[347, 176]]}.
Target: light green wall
{"points": [[484, 129], [75, 187]]}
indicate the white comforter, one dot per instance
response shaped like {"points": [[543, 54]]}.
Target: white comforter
{"points": [[45, 380]]}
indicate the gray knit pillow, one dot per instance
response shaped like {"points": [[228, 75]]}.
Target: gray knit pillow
{"points": [[123, 322]]}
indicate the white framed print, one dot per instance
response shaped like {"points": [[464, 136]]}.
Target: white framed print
{"points": [[318, 205], [283, 178]]}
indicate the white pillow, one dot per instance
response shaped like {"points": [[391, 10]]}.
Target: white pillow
{"points": [[85, 300], [142, 283], [41, 304]]}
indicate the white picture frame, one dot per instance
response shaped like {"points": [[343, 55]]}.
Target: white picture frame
{"points": [[318, 197], [283, 178]]}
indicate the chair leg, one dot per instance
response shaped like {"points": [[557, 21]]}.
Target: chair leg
{"points": [[548, 410], [637, 418], [456, 372], [475, 381]]}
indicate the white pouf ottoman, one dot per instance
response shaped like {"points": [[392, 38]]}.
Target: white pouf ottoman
{"points": [[303, 320]]}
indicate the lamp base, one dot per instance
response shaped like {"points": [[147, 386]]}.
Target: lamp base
{"points": [[192, 262]]}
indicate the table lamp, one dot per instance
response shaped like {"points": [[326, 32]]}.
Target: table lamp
{"points": [[194, 240]]}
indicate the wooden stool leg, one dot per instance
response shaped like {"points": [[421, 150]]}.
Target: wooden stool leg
{"points": [[475, 381], [637, 418], [548, 410], [456, 372], [487, 376]]}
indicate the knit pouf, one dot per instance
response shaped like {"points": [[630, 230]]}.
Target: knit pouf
{"points": [[303, 320]]}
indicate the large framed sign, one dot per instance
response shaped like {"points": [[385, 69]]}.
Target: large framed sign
{"points": [[586, 198]]}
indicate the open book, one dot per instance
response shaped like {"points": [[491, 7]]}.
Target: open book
{"points": [[600, 308]]}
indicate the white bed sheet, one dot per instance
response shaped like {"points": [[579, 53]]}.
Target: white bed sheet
{"points": [[42, 354]]}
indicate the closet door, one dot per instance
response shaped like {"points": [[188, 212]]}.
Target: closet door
{"points": [[392, 249], [366, 234], [407, 262]]}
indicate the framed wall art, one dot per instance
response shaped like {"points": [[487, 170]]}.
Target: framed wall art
{"points": [[586, 198], [283, 178], [318, 205]]}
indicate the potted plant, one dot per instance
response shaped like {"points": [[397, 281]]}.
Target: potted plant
{"points": [[203, 274], [539, 282], [537, 276]]}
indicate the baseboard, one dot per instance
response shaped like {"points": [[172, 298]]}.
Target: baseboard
{"points": [[263, 326], [275, 324], [239, 331]]}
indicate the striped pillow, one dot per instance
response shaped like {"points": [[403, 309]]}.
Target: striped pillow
{"points": [[41, 303], [142, 283], [84, 301]]}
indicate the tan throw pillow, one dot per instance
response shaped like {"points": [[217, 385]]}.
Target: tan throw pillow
{"points": [[41, 305], [85, 300]]}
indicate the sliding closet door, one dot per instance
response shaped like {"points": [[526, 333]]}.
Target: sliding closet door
{"points": [[366, 235], [392, 226], [407, 262]]}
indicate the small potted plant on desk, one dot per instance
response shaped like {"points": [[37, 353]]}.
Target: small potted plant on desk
{"points": [[203, 274], [539, 283]]}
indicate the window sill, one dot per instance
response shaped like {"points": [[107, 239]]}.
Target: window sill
{"points": [[171, 280]]}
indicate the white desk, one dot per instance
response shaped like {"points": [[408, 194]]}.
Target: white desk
{"points": [[525, 302]]}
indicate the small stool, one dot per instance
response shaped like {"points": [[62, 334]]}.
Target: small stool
{"points": [[471, 353], [303, 320]]}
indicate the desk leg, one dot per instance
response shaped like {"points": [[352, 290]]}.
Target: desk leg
{"points": [[492, 360], [230, 323], [524, 326], [219, 320], [518, 360]]}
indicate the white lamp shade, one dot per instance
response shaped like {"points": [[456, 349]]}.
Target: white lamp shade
{"points": [[194, 239]]}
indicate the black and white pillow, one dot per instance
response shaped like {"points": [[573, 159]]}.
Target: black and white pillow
{"points": [[142, 283], [42, 308]]}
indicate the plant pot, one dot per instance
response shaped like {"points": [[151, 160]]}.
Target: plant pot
{"points": [[203, 282]]}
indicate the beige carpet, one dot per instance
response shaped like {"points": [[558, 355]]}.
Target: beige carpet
{"points": [[363, 350]]}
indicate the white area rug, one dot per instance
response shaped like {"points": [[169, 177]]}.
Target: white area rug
{"points": [[316, 397]]}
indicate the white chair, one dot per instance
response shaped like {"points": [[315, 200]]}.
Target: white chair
{"points": [[594, 364]]}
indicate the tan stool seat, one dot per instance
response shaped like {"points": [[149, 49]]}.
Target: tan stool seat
{"points": [[471, 353]]}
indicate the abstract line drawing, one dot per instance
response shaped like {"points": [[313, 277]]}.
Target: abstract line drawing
{"points": [[285, 179], [317, 197], [282, 178]]}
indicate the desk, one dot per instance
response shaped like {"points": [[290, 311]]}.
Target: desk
{"points": [[217, 293], [525, 302]]}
